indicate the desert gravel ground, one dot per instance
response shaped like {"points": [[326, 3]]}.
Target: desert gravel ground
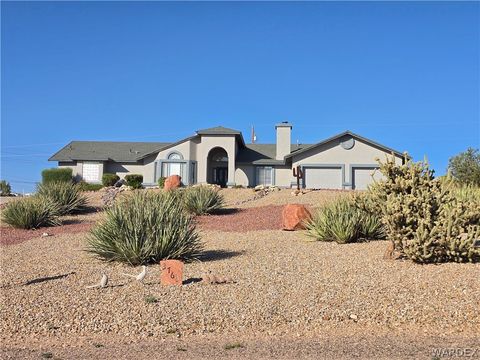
{"points": [[292, 298]]}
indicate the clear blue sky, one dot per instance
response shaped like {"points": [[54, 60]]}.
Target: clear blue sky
{"points": [[404, 74]]}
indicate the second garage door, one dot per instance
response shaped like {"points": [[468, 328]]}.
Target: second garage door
{"points": [[323, 178], [362, 177]]}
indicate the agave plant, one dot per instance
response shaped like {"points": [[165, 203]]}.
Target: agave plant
{"points": [[201, 200], [143, 228], [31, 213], [66, 195]]}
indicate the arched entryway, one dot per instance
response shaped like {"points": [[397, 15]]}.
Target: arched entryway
{"points": [[217, 167]]}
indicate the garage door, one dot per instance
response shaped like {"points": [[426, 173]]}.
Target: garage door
{"points": [[91, 172], [323, 178], [362, 177]]}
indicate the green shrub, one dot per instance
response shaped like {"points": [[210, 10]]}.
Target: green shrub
{"points": [[134, 180], [145, 227], [57, 174], [5, 188], [344, 222], [109, 179], [465, 167], [84, 186], [425, 218], [31, 213], [67, 196], [161, 182], [200, 200]]}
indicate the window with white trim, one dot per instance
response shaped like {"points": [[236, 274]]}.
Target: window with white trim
{"points": [[265, 175], [91, 172], [173, 167]]}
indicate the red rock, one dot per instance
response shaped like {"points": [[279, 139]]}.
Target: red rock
{"points": [[171, 272], [172, 182], [293, 216]]}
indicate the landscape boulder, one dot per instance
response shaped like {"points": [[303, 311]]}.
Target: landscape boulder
{"points": [[172, 182], [294, 216]]}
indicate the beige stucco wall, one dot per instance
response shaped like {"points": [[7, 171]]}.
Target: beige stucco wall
{"points": [[182, 148], [283, 176], [209, 142], [245, 175], [333, 153]]}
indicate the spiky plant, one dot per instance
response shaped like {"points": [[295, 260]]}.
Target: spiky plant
{"points": [[143, 228], [66, 195], [344, 222], [201, 200], [31, 213]]}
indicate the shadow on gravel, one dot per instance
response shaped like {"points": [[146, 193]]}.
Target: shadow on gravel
{"points": [[215, 255], [227, 211], [47, 278], [191, 281]]}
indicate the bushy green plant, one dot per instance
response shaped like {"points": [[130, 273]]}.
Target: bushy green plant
{"points": [[31, 213], [56, 175], [465, 167], [145, 227], [5, 188], [84, 186], [422, 216], [344, 222], [161, 182], [109, 179], [66, 195], [201, 200], [134, 180]]}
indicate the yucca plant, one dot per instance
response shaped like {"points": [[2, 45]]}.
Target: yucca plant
{"points": [[143, 228], [201, 200], [31, 213], [66, 195], [344, 222]]}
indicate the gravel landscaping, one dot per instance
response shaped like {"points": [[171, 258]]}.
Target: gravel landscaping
{"points": [[291, 297]]}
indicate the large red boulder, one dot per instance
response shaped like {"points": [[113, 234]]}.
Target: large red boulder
{"points": [[172, 182], [294, 216]]}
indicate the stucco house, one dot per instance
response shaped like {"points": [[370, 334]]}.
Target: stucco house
{"points": [[220, 156]]}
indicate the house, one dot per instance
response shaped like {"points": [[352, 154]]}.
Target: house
{"points": [[220, 156]]}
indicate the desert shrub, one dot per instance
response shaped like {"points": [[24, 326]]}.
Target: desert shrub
{"points": [[134, 180], [84, 186], [465, 167], [56, 175], [344, 222], [423, 217], [109, 179], [145, 227], [67, 196], [5, 188], [200, 200], [31, 213], [161, 182]]}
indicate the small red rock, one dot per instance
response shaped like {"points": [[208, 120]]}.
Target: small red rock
{"points": [[294, 216], [171, 272], [172, 182]]}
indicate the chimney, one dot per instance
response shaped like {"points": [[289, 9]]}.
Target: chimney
{"points": [[284, 130]]}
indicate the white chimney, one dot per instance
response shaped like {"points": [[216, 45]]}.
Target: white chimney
{"points": [[284, 130]]}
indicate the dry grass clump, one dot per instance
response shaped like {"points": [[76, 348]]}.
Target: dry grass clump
{"points": [[31, 213], [66, 195], [201, 200]]}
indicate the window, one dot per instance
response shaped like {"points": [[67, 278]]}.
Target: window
{"points": [[172, 168], [265, 175], [91, 172], [175, 156]]}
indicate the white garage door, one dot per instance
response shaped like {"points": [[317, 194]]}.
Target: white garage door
{"points": [[362, 177], [323, 178], [91, 172]]}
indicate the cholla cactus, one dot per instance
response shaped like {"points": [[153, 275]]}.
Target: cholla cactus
{"points": [[422, 216]]}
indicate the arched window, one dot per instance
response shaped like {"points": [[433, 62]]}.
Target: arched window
{"points": [[175, 156]]}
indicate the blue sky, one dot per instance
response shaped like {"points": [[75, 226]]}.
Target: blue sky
{"points": [[404, 74]]}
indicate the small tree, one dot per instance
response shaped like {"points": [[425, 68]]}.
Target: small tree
{"points": [[5, 188], [465, 167]]}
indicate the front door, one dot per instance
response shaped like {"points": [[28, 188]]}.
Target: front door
{"points": [[220, 176]]}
